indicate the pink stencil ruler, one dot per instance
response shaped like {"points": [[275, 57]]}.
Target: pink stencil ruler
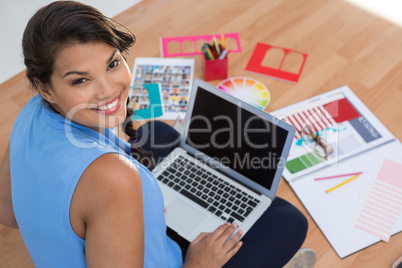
{"points": [[196, 40]]}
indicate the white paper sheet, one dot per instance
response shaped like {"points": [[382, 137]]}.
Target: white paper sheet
{"points": [[333, 211]]}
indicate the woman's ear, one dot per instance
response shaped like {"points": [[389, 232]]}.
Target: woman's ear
{"points": [[44, 90]]}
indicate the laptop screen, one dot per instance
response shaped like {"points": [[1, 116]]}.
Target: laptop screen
{"points": [[235, 137]]}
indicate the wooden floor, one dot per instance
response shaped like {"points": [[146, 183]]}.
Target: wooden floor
{"points": [[345, 45]]}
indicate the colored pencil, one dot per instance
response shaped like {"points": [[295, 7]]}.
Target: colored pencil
{"points": [[338, 176], [208, 52], [223, 54], [223, 41], [343, 183], [215, 42]]}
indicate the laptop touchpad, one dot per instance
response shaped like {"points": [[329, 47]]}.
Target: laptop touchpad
{"points": [[181, 216]]}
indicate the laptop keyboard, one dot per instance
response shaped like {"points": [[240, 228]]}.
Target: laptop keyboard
{"points": [[208, 190]]}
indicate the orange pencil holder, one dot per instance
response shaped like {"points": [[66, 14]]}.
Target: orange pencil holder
{"points": [[216, 69]]}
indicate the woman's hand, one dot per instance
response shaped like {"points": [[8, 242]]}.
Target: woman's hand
{"points": [[213, 249]]}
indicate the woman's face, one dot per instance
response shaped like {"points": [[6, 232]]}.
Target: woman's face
{"points": [[90, 85]]}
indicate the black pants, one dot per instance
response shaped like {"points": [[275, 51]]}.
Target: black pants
{"points": [[273, 239]]}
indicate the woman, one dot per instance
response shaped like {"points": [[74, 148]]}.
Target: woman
{"points": [[78, 197]]}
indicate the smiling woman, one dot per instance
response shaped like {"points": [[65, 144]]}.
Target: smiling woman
{"points": [[68, 183], [73, 201], [89, 93], [72, 62]]}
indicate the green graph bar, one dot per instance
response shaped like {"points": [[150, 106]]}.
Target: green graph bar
{"points": [[304, 161]]}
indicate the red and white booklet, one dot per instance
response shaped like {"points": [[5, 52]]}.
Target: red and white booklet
{"points": [[341, 120], [360, 144]]}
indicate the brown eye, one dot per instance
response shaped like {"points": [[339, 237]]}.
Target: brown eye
{"points": [[79, 81], [113, 64]]}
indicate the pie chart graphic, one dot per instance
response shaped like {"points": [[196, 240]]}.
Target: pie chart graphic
{"points": [[248, 90]]}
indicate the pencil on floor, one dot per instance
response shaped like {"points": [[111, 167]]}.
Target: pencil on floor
{"points": [[343, 183], [338, 176]]}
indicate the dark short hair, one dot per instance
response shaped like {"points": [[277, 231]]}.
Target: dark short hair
{"points": [[60, 24]]}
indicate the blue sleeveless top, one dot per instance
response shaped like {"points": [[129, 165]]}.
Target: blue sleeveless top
{"points": [[48, 155]]}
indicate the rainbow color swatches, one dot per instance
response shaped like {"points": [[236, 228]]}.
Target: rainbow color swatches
{"points": [[247, 90]]}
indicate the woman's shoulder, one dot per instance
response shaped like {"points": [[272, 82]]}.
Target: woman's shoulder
{"points": [[29, 108], [108, 193], [112, 167], [109, 179]]}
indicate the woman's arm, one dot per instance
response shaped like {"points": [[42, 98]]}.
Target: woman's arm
{"points": [[7, 216], [107, 211]]}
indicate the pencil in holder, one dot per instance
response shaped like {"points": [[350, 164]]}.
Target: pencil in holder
{"points": [[216, 69]]}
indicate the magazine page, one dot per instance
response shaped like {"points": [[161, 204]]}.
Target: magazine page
{"points": [[330, 128], [174, 76]]}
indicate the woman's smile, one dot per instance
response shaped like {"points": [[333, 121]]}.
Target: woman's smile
{"points": [[109, 107]]}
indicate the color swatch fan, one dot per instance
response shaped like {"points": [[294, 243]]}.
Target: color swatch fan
{"points": [[248, 90]]}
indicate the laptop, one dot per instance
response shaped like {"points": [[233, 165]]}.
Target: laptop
{"points": [[228, 165]]}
